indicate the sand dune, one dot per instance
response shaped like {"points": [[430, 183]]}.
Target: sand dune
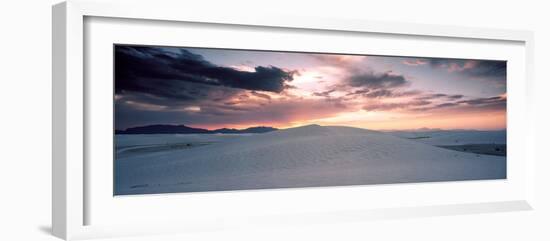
{"points": [[308, 156], [454, 137]]}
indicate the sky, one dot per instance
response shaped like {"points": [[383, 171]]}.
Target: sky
{"points": [[222, 88]]}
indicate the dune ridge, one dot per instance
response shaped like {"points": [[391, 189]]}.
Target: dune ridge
{"points": [[307, 156]]}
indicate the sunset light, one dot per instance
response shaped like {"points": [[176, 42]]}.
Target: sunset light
{"points": [[216, 88]]}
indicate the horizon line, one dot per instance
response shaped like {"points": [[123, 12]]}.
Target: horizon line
{"points": [[381, 130]]}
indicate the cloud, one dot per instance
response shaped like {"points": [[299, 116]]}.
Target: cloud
{"points": [[484, 101], [344, 61], [174, 85], [198, 95], [371, 80], [488, 103], [358, 92], [473, 68], [454, 97], [439, 96], [324, 93], [379, 93], [214, 115], [415, 62], [168, 73], [381, 106], [436, 102], [260, 95], [444, 105]]}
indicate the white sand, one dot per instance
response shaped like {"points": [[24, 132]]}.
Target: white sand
{"points": [[308, 156], [449, 138]]}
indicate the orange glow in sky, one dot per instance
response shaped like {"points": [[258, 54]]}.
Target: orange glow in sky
{"points": [[217, 88]]}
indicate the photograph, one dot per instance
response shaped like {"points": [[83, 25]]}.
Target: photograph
{"points": [[190, 119]]}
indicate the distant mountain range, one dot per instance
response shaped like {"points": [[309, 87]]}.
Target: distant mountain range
{"points": [[182, 129]]}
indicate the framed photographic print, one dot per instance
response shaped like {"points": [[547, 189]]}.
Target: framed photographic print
{"points": [[201, 119], [172, 121]]}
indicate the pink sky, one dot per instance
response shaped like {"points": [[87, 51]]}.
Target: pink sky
{"points": [[213, 88]]}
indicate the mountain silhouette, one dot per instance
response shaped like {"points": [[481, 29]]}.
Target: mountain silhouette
{"points": [[183, 129]]}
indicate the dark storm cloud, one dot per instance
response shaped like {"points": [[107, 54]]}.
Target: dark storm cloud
{"points": [[161, 72], [199, 94], [474, 68], [371, 80]]}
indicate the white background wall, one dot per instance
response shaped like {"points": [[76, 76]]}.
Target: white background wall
{"points": [[25, 120]]}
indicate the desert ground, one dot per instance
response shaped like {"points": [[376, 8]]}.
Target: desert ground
{"points": [[307, 156]]}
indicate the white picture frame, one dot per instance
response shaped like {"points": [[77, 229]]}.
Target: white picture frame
{"points": [[72, 187]]}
